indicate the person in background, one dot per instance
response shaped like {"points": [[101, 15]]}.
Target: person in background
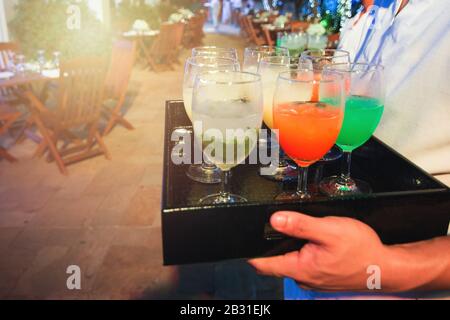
{"points": [[248, 8], [237, 6], [215, 12], [411, 40], [226, 12]]}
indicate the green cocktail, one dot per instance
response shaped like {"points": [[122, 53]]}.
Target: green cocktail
{"points": [[363, 111], [362, 116]]}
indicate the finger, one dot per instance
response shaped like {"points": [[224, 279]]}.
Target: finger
{"points": [[279, 266], [304, 286], [298, 225]]}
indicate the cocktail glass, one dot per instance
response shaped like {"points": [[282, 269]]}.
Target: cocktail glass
{"points": [[269, 69], [205, 172], [227, 115], [219, 52], [317, 59], [253, 55], [364, 86], [307, 129]]}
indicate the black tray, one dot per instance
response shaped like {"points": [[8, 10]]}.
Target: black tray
{"points": [[407, 205]]}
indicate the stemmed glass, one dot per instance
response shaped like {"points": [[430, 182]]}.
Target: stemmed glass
{"points": [[364, 88], [206, 172], [56, 59], [253, 55], [41, 59], [219, 52], [317, 59], [227, 113], [307, 128], [295, 42], [269, 69], [11, 63], [20, 64]]}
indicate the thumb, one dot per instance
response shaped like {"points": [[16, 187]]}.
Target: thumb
{"points": [[298, 225]]}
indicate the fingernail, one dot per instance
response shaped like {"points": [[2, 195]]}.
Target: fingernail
{"points": [[279, 221]]}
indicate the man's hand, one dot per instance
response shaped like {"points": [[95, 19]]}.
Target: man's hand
{"points": [[341, 249], [336, 258]]}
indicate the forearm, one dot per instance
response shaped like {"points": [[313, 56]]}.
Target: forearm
{"points": [[421, 265]]}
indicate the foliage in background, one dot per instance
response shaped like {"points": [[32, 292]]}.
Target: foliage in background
{"points": [[128, 12], [42, 24], [331, 19], [331, 22], [188, 4], [165, 10], [328, 12]]}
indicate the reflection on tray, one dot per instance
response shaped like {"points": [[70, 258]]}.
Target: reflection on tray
{"points": [[386, 171]]}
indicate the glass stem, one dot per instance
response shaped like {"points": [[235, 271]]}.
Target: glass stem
{"points": [[225, 192], [302, 187], [282, 159], [346, 164], [319, 174], [208, 166]]}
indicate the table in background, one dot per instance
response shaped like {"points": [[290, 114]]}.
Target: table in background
{"points": [[22, 86], [143, 52]]}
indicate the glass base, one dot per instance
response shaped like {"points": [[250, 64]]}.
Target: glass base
{"points": [[204, 173], [293, 196], [334, 154], [222, 198], [335, 186], [181, 131], [282, 172]]}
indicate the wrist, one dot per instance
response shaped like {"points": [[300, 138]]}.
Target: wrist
{"points": [[408, 267], [396, 271]]}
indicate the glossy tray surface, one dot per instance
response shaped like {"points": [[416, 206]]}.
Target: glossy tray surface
{"points": [[401, 191]]}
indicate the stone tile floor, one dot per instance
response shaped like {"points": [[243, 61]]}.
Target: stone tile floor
{"points": [[105, 216]]}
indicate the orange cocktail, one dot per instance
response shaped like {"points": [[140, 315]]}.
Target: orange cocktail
{"points": [[308, 112], [307, 130]]}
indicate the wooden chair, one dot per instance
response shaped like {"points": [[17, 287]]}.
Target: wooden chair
{"points": [[255, 38], [333, 40], [162, 48], [178, 39], [272, 18], [193, 35], [116, 84], [7, 118], [7, 52], [297, 26], [243, 26], [80, 95], [268, 37], [200, 20], [189, 34]]}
